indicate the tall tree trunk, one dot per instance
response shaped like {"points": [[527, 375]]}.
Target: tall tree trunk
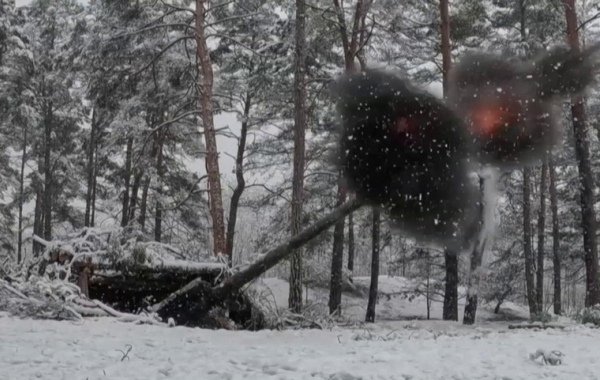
{"points": [[94, 189], [370, 317], [403, 261], [351, 247], [337, 257], [90, 171], [450, 308], [475, 266], [523, 18], [158, 219], [582, 152], [239, 176], [445, 44], [527, 249], [21, 196], [160, 170], [541, 232], [137, 179], [471, 302], [295, 295], [127, 182], [555, 239], [47, 203], [205, 86], [38, 219], [428, 285], [352, 45], [144, 204]]}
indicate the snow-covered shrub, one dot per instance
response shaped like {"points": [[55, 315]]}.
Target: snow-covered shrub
{"points": [[553, 357], [543, 317], [590, 315]]}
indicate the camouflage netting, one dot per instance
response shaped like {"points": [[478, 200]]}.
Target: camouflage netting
{"points": [[40, 297], [116, 247], [43, 288]]}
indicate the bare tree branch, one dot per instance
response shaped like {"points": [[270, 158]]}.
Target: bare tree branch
{"points": [[163, 51], [235, 42]]}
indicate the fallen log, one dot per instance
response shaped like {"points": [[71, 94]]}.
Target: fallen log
{"points": [[208, 296], [536, 326]]}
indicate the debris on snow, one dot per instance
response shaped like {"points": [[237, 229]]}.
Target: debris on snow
{"points": [[547, 357]]}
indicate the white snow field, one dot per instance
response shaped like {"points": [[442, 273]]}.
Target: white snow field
{"points": [[410, 350], [106, 349]]}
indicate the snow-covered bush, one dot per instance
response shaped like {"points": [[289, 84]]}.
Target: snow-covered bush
{"points": [[543, 317], [541, 356], [590, 315]]}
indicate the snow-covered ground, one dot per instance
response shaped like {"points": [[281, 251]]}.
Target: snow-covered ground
{"points": [[394, 348], [408, 350]]}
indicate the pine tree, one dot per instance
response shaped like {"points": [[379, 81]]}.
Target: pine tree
{"points": [[205, 99], [582, 151], [375, 251], [295, 296], [354, 41]]}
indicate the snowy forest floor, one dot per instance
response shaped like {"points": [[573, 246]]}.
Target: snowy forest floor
{"points": [[95, 350], [103, 348]]}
